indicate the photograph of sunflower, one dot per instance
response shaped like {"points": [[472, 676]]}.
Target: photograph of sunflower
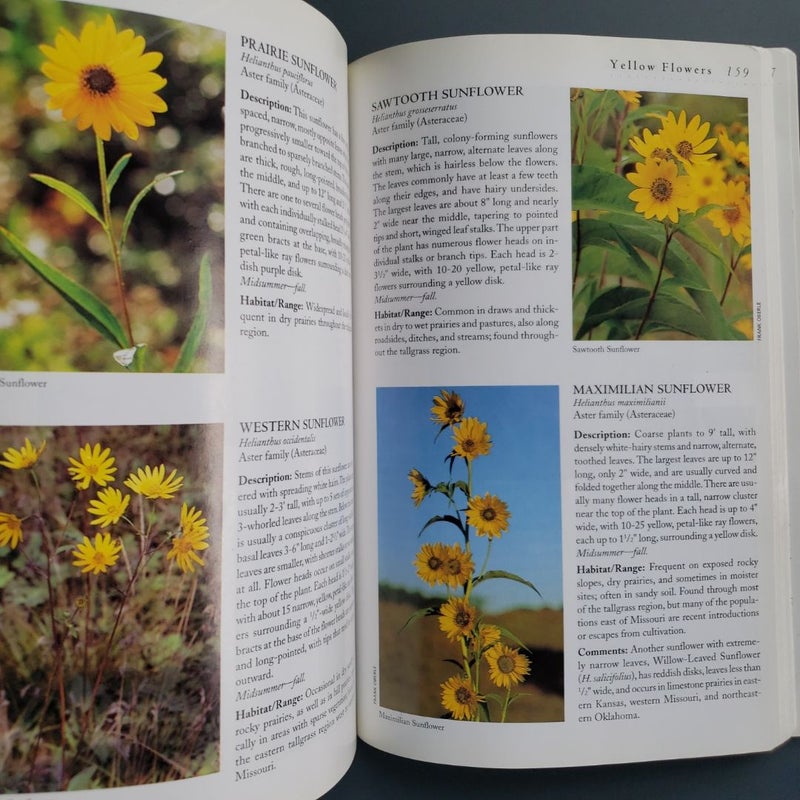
{"points": [[109, 581], [111, 209], [661, 217], [469, 549]]}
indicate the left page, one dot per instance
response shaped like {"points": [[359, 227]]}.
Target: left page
{"points": [[175, 400]]}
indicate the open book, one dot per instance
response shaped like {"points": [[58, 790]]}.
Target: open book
{"points": [[492, 335]]}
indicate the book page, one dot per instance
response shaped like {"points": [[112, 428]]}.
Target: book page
{"points": [[571, 500], [176, 428]]}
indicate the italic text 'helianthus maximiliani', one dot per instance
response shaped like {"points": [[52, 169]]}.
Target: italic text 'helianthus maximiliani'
{"points": [[103, 79]]}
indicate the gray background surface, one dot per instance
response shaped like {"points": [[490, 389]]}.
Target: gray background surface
{"points": [[369, 25]]}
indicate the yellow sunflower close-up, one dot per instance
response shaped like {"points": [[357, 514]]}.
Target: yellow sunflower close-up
{"points": [[661, 191], [733, 219], [94, 463], [108, 507], [420, 484], [23, 457], [507, 666], [471, 439], [97, 556], [457, 618], [448, 408], [687, 140], [430, 562], [458, 566], [488, 515], [459, 698], [154, 483], [185, 547], [10, 530], [103, 79]]}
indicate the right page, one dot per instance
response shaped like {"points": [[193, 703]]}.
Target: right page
{"points": [[570, 317]]}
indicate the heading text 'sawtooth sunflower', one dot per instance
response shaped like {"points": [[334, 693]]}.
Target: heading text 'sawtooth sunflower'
{"points": [[103, 79]]}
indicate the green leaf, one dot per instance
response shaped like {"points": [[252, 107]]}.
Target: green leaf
{"points": [[194, 338], [501, 573], [422, 612], [623, 302], [73, 194], [93, 310], [599, 189], [126, 223], [113, 176], [443, 518]]}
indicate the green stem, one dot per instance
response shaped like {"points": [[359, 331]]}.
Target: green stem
{"points": [[661, 261], [116, 257], [734, 264]]}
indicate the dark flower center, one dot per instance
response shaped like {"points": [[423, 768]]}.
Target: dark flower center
{"points": [[434, 563], [98, 80], [685, 150], [468, 445], [453, 566], [661, 189], [505, 664], [732, 214], [463, 695], [488, 514], [462, 619]]}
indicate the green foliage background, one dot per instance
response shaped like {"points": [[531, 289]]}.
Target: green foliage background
{"points": [[156, 715]]}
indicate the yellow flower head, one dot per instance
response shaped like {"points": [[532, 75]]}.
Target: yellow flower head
{"points": [[471, 439], [507, 666], [487, 635], [706, 179], [194, 532], [488, 515], [421, 486], [109, 506], [650, 145], [458, 566], [632, 99], [10, 530], [97, 557], [457, 618], [661, 191], [734, 218], [153, 482], [24, 457], [103, 79], [459, 698], [448, 408], [687, 140], [430, 562], [94, 463], [736, 151]]}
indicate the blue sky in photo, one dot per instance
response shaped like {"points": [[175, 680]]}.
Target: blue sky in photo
{"points": [[522, 469]]}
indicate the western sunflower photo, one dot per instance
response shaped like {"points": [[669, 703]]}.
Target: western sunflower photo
{"points": [[661, 217], [111, 199], [109, 582], [469, 538]]}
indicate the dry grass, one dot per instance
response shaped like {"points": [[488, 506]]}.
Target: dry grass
{"points": [[413, 662]]}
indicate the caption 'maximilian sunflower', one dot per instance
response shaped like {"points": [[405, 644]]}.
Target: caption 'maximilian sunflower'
{"points": [[103, 79]]}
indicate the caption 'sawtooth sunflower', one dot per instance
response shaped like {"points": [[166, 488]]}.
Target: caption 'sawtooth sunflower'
{"points": [[103, 79]]}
